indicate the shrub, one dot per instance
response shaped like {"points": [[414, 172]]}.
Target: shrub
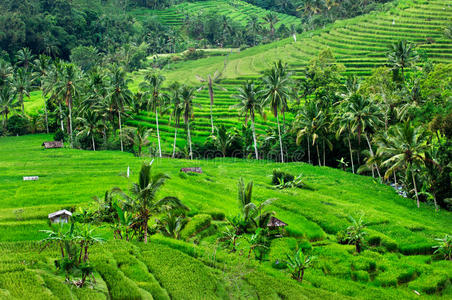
{"points": [[360, 275], [59, 135], [18, 125], [430, 283], [195, 225], [280, 176], [216, 214]]}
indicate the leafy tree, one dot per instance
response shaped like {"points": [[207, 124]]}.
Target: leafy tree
{"points": [[42, 64], [258, 244], [143, 200], [250, 104], [355, 232], [298, 263], [22, 83], [139, 137], [271, 19], [276, 92], [8, 102]]}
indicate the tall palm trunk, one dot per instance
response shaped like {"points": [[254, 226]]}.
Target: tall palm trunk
{"points": [[211, 102], [145, 229], [318, 154], [372, 153], [94, 144], [415, 188], [120, 130], [189, 140], [254, 139], [309, 150], [158, 132], [70, 123], [280, 138], [351, 153], [174, 144], [46, 119], [21, 101], [61, 118], [324, 151]]}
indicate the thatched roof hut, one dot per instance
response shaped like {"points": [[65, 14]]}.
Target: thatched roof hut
{"points": [[52, 144], [275, 223]]}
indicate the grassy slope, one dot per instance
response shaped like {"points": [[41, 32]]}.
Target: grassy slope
{"points": [[71, 177]]}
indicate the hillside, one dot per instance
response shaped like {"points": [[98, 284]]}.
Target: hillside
{"points": [[237, 10], [71, 177]]}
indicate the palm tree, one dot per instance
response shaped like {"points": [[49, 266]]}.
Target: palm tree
{"points": [[176, 112], [254, 26], [6, 70], [298, 263], [312, 123], [90, 124], [404, 146], [22, 83], [24, 58], [355, 232], [41, 65], [50, 83], [344, 126], [120, 94], [7, 102], [152, 86], [210, 82], [139, 137], [86, 238], [271, 18], [187, 95], [251, 213], [68, 87], [276, 92], [365, 116], [144, 193], [402, 55], [249, 105]]}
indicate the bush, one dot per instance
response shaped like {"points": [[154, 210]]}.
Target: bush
{"points": [[195, 225], [18, 125], [216, 214], [60, 135], [279, 176]]}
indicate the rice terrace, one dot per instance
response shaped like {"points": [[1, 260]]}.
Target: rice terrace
{"points": [[216, 149]]}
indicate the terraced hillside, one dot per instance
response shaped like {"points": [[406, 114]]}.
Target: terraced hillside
{"points": [[239, 11], [396, 262], [360, 44]]}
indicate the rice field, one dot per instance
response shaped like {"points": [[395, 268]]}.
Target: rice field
{"points": [[398, 259]]}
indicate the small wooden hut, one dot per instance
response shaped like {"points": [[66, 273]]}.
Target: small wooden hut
{"points": [[275, 224], [191, 170], [61, 216], [52, 144]]}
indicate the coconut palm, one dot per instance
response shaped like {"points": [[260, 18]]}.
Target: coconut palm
{"points": [[90, 124], [24, 58], [119, 95], [155, 99], [344, 126], [271, 18], [176, 102], [68, 87], [364, 116], [143, 199], [22, 83], [50, 82], [355, 232], [187, 95], [8, 102], [276, 92], [402, 55], [210, 82], [298, 263], [312, 124], [250, 104], [404, 147], [254, 26], [6, 71], [139, 137], [41, 64]]}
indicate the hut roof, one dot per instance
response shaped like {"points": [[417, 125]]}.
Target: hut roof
{"points": [[53, 144], [60, 213], [275, 222]]}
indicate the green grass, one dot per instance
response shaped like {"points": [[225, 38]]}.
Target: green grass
{"points": [[394, 264]]}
